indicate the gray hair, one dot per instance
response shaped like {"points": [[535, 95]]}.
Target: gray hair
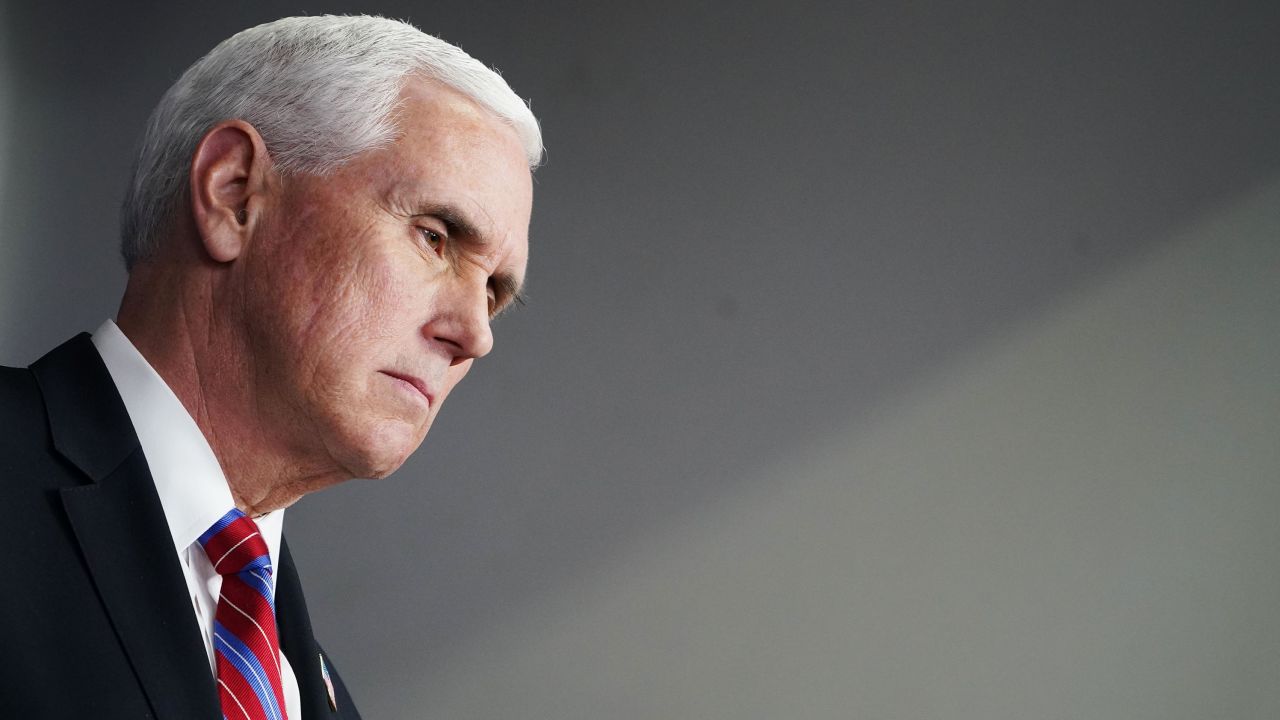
{"points": [[320, 90]]}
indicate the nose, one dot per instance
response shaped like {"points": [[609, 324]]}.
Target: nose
{"points": [[461, 319]]}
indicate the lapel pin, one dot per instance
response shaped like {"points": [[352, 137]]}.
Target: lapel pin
{"points": [[328, 684]]}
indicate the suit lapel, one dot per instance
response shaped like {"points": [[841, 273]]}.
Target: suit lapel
{"points": [[297, 641], [121, 529]]}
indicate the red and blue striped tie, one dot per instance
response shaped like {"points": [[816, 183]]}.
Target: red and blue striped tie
{"points": [[245, 643]]}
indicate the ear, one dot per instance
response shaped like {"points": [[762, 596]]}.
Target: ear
{"points": [[229, 177]]}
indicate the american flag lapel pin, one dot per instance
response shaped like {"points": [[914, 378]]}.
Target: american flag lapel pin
{"points": [[328, 684]]}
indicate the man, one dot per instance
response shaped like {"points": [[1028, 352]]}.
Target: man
{"points": [[325, 215]]}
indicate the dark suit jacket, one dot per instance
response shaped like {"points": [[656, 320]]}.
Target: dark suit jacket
{"points": [[96, 617]]}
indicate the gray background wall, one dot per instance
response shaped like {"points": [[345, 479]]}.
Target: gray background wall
{"points": [[885, 360]]}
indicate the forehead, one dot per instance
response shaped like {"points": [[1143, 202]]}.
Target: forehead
{"points": [[450, 152]]}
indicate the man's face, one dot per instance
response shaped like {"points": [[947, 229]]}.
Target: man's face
{"points": [[369, 291]]}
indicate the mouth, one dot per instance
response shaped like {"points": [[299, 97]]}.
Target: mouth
{"points": [[413, 383]]}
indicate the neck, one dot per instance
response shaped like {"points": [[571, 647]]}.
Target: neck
{"points": [[204, 358]]}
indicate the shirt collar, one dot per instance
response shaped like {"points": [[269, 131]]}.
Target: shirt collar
{"points": [[192, 489]]}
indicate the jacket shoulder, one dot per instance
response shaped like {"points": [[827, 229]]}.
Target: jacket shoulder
{"points": [[24, 424]]}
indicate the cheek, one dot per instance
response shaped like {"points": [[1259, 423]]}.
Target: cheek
{"points": [[354, 305], [386, 305]]}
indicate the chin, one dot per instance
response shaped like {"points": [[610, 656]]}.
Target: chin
{"points": [[380, 452]]}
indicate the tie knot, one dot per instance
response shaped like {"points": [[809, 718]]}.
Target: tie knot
{"points": [[234, 545]]}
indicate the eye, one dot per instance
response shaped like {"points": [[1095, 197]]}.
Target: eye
{"points": [[431, 239]]}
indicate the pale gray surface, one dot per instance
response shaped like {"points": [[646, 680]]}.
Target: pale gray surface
{"points": [[901, 361]]}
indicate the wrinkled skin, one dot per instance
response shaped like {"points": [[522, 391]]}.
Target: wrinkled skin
{"points": [[316, 341], [348, 292]]}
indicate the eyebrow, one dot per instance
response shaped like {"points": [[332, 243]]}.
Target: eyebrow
{"points": [[508, 289], [455, 222]]}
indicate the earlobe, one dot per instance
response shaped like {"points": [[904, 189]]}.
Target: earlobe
{"points": [[228, 182]]}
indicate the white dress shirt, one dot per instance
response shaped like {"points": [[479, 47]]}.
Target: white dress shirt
{"points": [[189, 481]]}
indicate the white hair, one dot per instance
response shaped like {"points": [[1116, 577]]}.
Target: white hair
{"points": [[320, 90]]}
